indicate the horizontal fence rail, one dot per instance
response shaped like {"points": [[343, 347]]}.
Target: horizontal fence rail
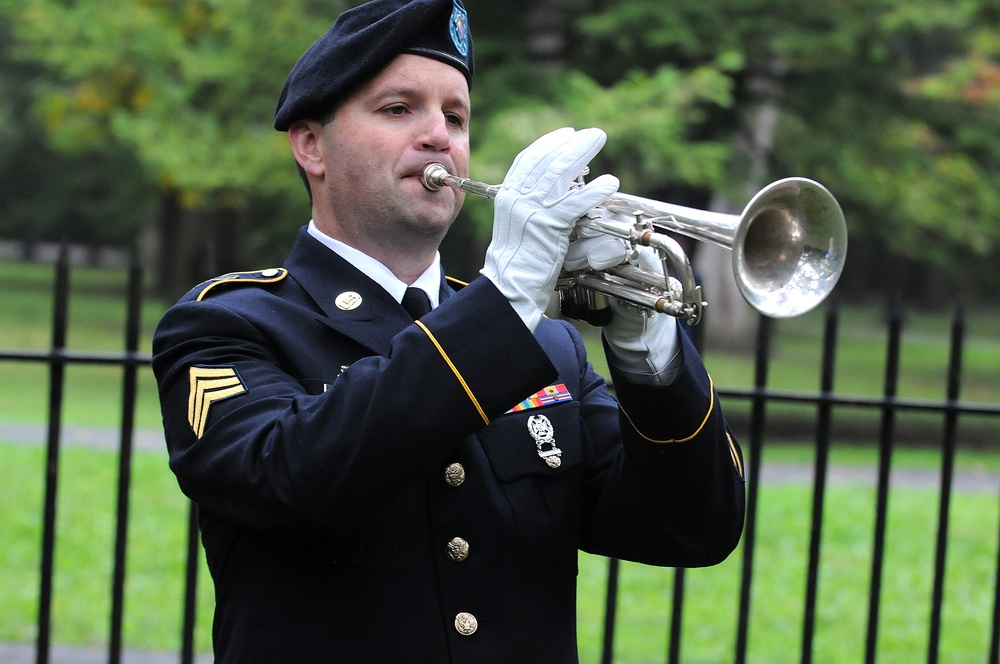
{"points": [[888, 405]]}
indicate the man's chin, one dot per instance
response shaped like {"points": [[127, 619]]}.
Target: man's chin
{"points": [[432, 226], [436, 212]]}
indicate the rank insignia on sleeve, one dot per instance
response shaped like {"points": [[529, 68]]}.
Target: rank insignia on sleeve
{"points": [[209, 385]]}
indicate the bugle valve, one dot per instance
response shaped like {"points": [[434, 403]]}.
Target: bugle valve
{"points": [[788, 249]]}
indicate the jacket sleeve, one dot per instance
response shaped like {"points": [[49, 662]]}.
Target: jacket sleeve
{"points": [[668, 486], [249, 443]]}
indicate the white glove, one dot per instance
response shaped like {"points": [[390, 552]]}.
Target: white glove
{"points": [[645, 347], [595, 250], [534, 213]]}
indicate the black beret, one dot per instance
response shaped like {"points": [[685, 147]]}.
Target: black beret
{"points": [[364, 40]]}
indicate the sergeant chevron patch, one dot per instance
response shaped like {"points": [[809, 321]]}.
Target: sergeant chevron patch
{"points": [[208, 385]]}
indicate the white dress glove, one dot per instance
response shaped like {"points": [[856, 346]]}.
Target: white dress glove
{"points": [[595, 250], [534, 213], [645, 347]]}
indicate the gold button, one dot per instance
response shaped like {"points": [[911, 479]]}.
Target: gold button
{"points": [[454, 474], [458, 549], [466, 624]]}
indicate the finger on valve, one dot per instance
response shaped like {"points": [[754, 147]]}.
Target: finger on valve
{"points": [[597, 252]]}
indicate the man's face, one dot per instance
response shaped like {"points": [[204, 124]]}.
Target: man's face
{"points": [[416, 111]]}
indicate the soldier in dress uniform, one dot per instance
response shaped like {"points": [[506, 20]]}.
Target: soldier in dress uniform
{"points": [[379, 481]]}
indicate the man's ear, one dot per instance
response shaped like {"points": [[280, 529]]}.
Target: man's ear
{"points": [[304, 137]]}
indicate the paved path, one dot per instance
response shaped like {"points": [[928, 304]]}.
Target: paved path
{"points": [[973, 481], [97, 437], [16, 653], [929, 478]]}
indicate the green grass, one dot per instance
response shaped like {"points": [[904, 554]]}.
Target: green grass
{"points": [[778, 596], [85, 537], [157, 525], [93, 394]]}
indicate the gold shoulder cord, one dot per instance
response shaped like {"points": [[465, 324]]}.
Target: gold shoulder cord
{"points": [[454, 370], [268, 276]]}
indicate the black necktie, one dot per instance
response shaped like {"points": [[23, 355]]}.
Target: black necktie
{"points": [[416, 302]]}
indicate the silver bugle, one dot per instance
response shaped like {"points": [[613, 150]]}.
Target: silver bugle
{"points": [[788, 246]]}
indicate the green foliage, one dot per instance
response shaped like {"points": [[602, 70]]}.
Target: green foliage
{"points": [[99, 197], [189, 86], [892, 104]]}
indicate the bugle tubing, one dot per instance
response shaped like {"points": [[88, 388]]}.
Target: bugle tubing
{"points": [[788, 247]]}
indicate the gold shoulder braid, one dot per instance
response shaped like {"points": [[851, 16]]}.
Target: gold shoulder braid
{"points": [[268, 276]]}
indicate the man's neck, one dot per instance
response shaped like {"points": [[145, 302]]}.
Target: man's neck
{"points": [[405, 272], [407, 258]]}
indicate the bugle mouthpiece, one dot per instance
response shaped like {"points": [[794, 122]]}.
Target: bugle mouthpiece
{"points": [[434, 177]]}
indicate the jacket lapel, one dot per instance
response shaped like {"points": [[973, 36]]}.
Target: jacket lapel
{"points": [[352, 303]]}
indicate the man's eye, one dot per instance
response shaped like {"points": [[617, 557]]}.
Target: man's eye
{"points": [[456, 120], [396, 110]]}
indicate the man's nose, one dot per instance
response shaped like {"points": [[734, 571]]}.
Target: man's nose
{"points": [[436, 135]]}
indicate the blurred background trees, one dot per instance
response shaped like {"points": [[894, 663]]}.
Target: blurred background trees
{"points": [[148, 122]]}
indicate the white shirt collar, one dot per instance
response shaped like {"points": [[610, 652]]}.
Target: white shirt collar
{"points": [[429, 281]]}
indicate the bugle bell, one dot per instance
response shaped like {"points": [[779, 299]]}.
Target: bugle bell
{"points": [[788, 249]]}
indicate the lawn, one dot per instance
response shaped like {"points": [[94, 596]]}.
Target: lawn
{"points": [[157, 526], [157, 531]]}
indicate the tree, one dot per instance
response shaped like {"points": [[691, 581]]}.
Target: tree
{"points": [[891, 104], [189, 87], [95, 197]]}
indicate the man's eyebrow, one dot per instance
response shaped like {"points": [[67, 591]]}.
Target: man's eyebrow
{"points": [[405, 92], [397, 91]]}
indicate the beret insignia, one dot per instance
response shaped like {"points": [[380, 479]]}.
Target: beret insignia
{"points": [[459, 27]]}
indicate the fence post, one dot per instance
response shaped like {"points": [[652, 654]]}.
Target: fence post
{"points": [[610, 607], [995, 638], [190, 587], [886, 437], [676, 618], [130, 370], [752, 471], [819, 479], [57, 370], [947, 475]]}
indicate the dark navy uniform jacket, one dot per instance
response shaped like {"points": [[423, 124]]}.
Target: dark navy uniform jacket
{"points": [[366, 495]]}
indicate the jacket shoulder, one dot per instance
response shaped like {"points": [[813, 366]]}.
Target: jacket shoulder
{"points": [[238, 280]]}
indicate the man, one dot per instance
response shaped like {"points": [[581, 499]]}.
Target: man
{"points": [[374, 488]]}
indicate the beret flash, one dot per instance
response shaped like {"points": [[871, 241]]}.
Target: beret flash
{"points": [[364, 40]]}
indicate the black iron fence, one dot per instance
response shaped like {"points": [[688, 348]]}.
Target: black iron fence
{"points": [[758, 398]]}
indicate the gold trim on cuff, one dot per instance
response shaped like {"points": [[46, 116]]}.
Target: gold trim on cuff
{"points": [[711, 407]]}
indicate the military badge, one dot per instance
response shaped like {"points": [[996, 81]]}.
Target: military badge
{"points": [[460, 29], [348, 301], [540, 428]]}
